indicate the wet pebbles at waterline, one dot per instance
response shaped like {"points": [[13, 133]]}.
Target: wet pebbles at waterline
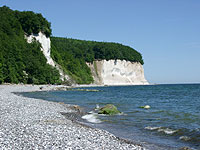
{"points": [[28, 123], [167, 115]]}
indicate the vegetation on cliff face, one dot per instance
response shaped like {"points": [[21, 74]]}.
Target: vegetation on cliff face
{"points": [[92, 50], [21, 62], [72, 61], [73, 54], [33, 23]]}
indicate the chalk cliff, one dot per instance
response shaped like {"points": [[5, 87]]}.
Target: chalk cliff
{"points": [[111, 72], [46, 49], [117, 72]]}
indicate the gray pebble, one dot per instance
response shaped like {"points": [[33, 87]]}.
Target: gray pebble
{"points": [[27, 123]]}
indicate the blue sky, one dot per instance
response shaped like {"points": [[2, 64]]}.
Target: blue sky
{"points": [[166, 32]]}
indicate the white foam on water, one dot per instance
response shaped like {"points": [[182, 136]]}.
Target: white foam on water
{"points": [[91, 118], [91, 112], [97, 106], [152, 128], [167, 131], [122, 114], [197, 129], [161, 129], [184, 138], [103, 115]]}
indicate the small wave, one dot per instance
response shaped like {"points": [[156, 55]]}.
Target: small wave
{"points": [[91, 118], [121, 114], [97, 106], [162, 129], [92, 112], [152, 128], [185, 138], [167, 131]]}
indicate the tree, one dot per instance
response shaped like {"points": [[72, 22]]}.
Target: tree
{"points": [[21, 62]]}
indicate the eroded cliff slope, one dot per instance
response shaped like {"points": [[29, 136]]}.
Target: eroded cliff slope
{"points": [[111, 72], [117, 72], [73, 55], [46, 49], [27, 61]]}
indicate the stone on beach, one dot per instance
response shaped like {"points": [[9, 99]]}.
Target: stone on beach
{"points": [[28, 123]]}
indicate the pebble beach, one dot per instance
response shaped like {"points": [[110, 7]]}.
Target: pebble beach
{"points": [[27, 123]]}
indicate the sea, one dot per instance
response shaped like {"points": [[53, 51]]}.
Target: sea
{"points": [[170, 121]]}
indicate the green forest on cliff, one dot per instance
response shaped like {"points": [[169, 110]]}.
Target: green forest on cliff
{"points": [[72, 54], [22, 62]]}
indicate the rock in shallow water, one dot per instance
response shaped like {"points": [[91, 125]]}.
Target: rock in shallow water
{"points": [[109, 109], [145, 107], [28, 123]]}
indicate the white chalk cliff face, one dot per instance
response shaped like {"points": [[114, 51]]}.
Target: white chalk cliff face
{"points": [[45, 43], [117, 72], [112, 72], [46, 49]]}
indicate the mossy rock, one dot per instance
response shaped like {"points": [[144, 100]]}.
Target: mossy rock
{"points": [[145, 107], [109, 109]]}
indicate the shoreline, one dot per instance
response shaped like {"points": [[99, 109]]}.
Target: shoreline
{"points": [[36, 123]]}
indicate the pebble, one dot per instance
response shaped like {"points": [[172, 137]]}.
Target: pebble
{"points": [[27, 123]]}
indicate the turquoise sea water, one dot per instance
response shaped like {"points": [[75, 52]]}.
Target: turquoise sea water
{"points": [[173, 121]]}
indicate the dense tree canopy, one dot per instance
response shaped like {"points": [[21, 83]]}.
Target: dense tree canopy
{"points": [[33, 23], [21, 62], [92, 50], [72, 62], [73, 54]]}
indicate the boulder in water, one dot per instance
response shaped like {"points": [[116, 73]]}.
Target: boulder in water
{"points": [[109, 109], [145, 107]]}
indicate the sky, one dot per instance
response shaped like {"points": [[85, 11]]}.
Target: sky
{"points": [[165, 32]]}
